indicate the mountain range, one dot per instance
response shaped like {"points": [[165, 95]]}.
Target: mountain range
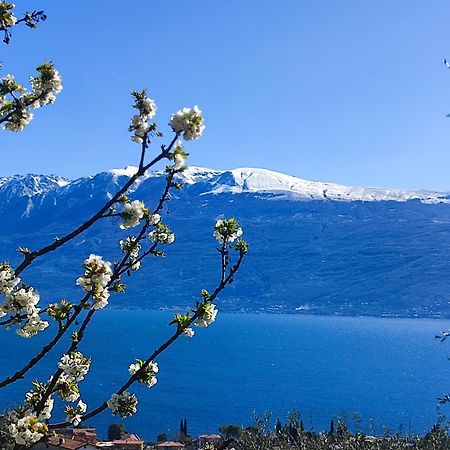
{"points": [[315, 248]]}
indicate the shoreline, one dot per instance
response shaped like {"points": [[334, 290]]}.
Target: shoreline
{"points": [[289, 314]]}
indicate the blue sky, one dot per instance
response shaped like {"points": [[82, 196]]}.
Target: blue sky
{"points": [[348, 91]]}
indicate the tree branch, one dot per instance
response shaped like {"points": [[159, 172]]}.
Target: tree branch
{"points": [[116, 275], [135, 377], [30, 257], [46, 348]]}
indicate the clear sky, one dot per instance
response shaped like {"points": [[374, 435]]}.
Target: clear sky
{"points": [[349, 91]]}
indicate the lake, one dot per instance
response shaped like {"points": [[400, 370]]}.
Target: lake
{"points": [[390, 371]]}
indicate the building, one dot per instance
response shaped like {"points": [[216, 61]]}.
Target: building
{"points": [[87, 435], [86, 439], [169, 445], [62, 443], [126, 442], [214, 439]]}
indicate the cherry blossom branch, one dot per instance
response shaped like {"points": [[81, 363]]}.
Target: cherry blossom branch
{"points": [[121, 268], [31, 20], [48, 347], [21, 105], [136, 376], [118, 271], [32, 255], [12, 319], [19, 317]]}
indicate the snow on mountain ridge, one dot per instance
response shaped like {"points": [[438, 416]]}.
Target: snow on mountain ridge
{"points": [[31, 184], [252, 180], [273, 185]]}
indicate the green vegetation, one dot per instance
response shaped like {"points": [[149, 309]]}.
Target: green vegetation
{"points": [[115, 431], [292, 436]]}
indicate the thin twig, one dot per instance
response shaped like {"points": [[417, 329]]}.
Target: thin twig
{"points": [[160, 350], [30, 257]]}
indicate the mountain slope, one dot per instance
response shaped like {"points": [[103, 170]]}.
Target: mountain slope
{"points": [[315, 247]]}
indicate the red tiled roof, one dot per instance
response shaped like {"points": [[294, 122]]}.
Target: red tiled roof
{"points": [[69, 444]]}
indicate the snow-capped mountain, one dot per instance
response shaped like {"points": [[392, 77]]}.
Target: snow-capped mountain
{"points": [[315, 247], [238, 181], [30, 185]]}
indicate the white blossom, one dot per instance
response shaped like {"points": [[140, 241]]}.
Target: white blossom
{"points": [[74, 415], [148, 375], [8, 280], [162, 234], [19, 120], [189, 332], [136, 265], [227, 230], [26, 430], [67, 389], [148, 107], [34, 397], [137, 139], [20, 299], [179, 161], [131, 246], [75, 366], [188, 122], [46, 412], [46, 86], [96, 278], [139, 122], [101, 297], [23, 299], [7, 18], [123, 405], [32, 326], [207, 314], [154, 219], [132, 214]]}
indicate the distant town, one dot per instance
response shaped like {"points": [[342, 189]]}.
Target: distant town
{"points": [[119, 439]]}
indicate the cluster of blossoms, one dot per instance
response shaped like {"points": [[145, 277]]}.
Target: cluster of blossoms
{"points": [[67, 388], [7, 18], [26, 429], [188, 122], [23, 299], [20, 299], [182, 321], [16, 103], [75, 366], [227, 230], [33, 398], [74, 414], [162, 234], [8, 279], [132, 214], [148, 374], [189, 332], [123, 405], [178, 156], [26, 425], [46, 86], [207, 313], [95, 280], [139, 122], [131, 246], [32, 326]]}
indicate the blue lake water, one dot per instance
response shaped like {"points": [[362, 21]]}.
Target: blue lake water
{"points": [[389, 370]]}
